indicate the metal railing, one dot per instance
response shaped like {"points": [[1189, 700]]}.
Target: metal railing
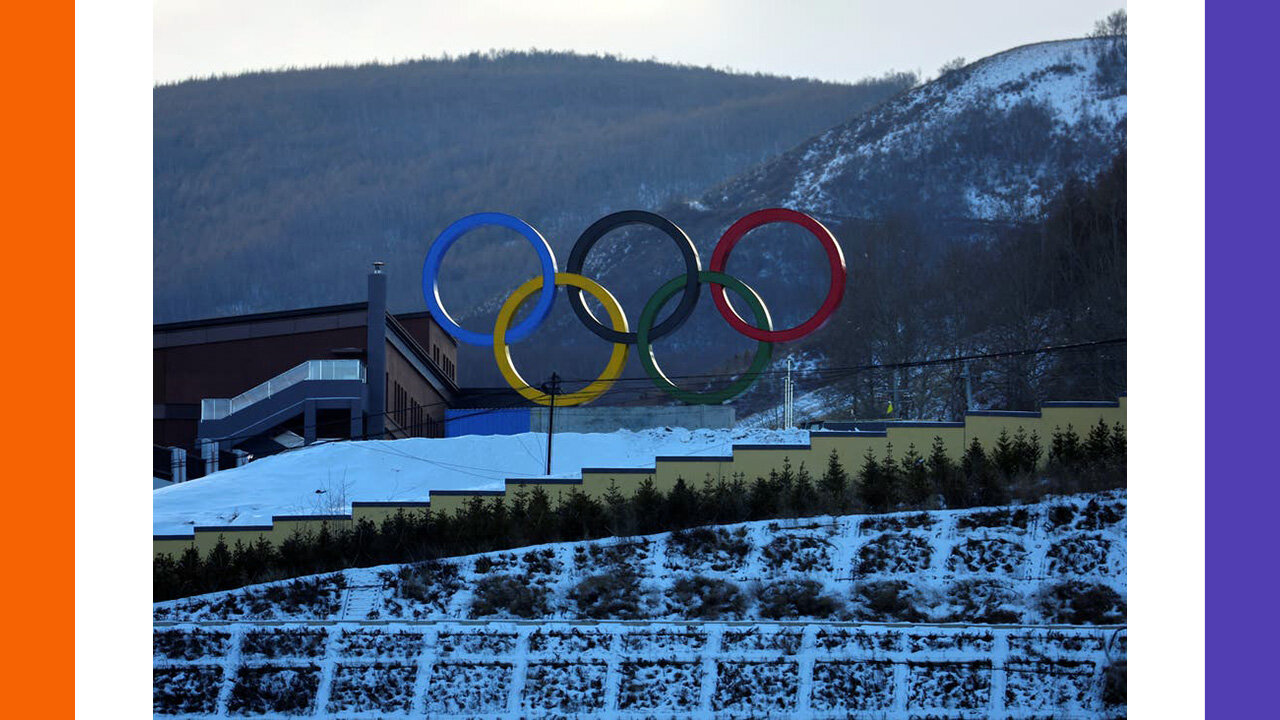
{"points": [[218, 408]]}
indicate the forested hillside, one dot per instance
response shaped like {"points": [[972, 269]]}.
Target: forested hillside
{"points": [[275, 190], [980, 213]]}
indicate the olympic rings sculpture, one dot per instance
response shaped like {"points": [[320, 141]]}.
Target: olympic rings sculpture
{"points": [[618, 332]]}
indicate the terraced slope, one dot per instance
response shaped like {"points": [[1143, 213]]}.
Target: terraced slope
{"points": [[980, 565], [502, 670], [1011, 612]]}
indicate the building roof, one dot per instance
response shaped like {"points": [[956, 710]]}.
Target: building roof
{"points": [[289, 315], [259, 317]]}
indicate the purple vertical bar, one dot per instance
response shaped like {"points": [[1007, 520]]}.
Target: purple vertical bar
{"points": [[1242, 492]]}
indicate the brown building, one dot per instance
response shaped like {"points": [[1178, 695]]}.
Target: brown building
{"points": [[229, 388]]}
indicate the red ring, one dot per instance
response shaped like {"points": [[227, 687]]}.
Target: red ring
{"points": [[835, 257]]}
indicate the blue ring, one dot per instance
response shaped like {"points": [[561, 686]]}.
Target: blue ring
{"points": [[451, 234]]}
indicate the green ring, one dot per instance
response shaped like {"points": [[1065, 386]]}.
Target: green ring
{"points": [[764, 350]]}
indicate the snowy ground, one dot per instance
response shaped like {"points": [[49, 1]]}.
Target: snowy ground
{"points": [[699, 670], [324, 479], [367, 646]]}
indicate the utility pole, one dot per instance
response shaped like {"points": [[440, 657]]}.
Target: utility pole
{"points": [[968, 390], [552, 388], [787, 400], [897, 399]]}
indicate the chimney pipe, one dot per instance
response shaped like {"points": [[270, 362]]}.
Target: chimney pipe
{"points": [[376, 355]]}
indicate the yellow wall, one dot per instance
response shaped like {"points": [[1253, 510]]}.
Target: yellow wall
{"points": [[751, 461]]}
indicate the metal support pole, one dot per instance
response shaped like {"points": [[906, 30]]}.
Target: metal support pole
{"points": [[968, 390], [788, 400], [552, 388], [178, 464], [897, 400], [357, 420], [309, 421], [209, 453]]}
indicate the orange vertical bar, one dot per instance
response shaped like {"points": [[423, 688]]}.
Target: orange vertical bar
{"points": [[37, 430]]}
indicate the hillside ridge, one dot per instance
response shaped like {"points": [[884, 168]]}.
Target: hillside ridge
{"points": [[325, 170]]}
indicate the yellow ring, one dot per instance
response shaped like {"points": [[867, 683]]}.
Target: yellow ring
{"points": [[612, 371]]}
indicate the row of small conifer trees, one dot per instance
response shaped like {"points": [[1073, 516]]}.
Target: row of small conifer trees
{"points": [[1010, 470]]}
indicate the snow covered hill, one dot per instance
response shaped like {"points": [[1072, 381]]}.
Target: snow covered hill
{"points": [[324, 479], [960, 160], [991, 141]]}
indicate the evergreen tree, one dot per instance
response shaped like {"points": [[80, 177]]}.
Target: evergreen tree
{"points": [[1117, 446], [1064, 448], [364, 543], [917, 488], [783, 487], [618, 511], [580, 516], [681, 505], [1004, 457], [473, 520], [164, 578], [835, 482], [708, 501], [983, 477], [648, 503], [892, 478], [804, 499], [944, 476], [872, 487], [295, 553], [216, 572], [434, 535], [716, 503], [187, 574], [1027, 450], [499, 529], [395, 531], [541, 522], [763, 499], [739, 498], [324, 549], [265, 552], [518, 517], [242, 563], [1097, 446]]}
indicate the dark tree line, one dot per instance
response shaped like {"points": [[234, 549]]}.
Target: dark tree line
{"points": [[920, 479], [1058, 281]]}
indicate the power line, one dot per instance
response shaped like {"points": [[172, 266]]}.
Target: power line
{"points": [[826, 373], [854, 369]]}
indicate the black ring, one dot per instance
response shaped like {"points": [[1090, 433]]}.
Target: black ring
{"points": [[592, 235]]}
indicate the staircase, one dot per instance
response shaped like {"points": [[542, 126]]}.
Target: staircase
{"points": [[299, 391]]}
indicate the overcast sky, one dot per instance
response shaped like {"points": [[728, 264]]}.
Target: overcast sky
{"points": [[829, 39]]}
